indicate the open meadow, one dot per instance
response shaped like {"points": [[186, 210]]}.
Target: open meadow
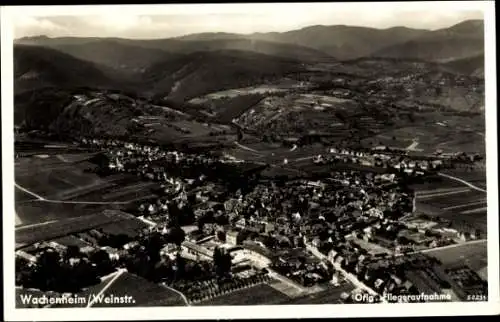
{"points": [[254, 295], [473, 255], [462, 205]]}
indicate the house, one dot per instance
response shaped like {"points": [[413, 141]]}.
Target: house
{"points": [[30, 258], [194, 249], [112, 252], [87, 249], [58, 247], [169, 250], [232, 237], [378, 283], [270, 227], [131, 245]]}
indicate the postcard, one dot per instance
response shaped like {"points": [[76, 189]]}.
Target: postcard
{"points": [[271, 160]]}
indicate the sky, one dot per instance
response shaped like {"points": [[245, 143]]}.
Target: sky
{"points": [[164, 21]]}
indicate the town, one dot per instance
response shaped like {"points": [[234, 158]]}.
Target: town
{"points": [[216, 226]]}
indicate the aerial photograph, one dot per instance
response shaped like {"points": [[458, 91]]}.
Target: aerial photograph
{"points": [[296, 157]]}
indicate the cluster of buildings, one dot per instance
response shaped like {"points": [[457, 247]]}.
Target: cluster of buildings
{"points": [[377, 157]]}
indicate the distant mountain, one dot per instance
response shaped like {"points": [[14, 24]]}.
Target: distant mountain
{"points": [[136, 54], [114, 53], [284, 50], [311, 43], [201, 73], [37, 67], [462, 40], [344, 42], [210, 36]]}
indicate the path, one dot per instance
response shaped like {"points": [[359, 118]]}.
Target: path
{"points": [[447, 247], [241, 146], [35, 225], [475, 203], [96, 297], [462, 181], [178, 292], [412, 146]]}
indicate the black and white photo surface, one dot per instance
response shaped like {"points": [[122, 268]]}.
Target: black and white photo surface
{"points": [[249, 160]]}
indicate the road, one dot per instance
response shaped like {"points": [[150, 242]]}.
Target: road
{"points": [[184, 298], [462, 181], [115, 277], [35, 225], [147, 221], [351, 277], [40, 198], [448, 247]]}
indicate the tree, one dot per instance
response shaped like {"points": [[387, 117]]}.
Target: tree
{"points": [[153, 244], [176, 235], [48, 270], [102, 261], [222, 262], [72, 251]]}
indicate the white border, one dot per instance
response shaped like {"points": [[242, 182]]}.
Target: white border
{"points": [[245, 312]]}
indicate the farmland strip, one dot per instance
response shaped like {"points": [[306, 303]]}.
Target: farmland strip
{"points": [[28, 235], [467, 204], [443, 194], [473, 211], [462, 181]]}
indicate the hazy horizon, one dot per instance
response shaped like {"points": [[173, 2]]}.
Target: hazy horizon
{"points": [[130, 23]]}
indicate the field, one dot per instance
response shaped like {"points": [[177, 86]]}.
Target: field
{"points": [[232, 93], [328, 296], [127, 190], [35, 212], [21, 196], [58, 178], [256, 295], [45, 231], [477, 176], [464, 206], [70, 240], [57, 186], [163, 131], [456, 134], [130, 227], [143, 292], [50, 175], [473, 255]]}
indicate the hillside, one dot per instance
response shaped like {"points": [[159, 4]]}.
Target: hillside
{"points": [[463, 40], [293, 51], [136, 54], [85, 111], [37, 67], [116, 55], [201, 73], [344, 42]]}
